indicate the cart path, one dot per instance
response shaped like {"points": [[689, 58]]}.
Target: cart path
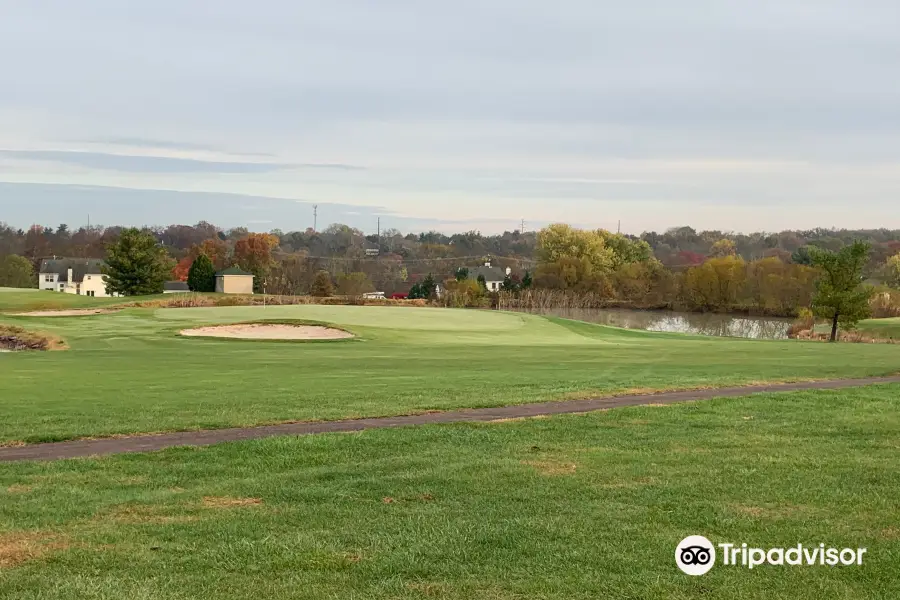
{"points": [[151, 442]]}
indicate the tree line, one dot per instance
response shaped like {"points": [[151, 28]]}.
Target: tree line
{"points": [[773, 274]]}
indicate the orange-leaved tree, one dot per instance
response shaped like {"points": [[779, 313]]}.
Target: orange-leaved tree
{"points": [[254, 254]]}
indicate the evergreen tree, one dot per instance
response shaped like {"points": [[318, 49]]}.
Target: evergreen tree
{"points": [[841, 296], [202, 275], [136, 264], [527, 281], [428, 287]]}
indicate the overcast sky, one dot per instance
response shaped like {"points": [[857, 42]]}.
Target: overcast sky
{"points": [[474, 114]]}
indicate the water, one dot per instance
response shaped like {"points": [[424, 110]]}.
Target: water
{"points": [[760, 328]]}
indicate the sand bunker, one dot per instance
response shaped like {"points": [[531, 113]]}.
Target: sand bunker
{"points": [[274, 331], [76, 312]]}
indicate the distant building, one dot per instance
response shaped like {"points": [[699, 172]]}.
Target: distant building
{"points": [[83, 276], [493, 276], [233, 280], [175, 287]]}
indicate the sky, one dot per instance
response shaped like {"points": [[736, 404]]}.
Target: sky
{"points": [[736, 115]]}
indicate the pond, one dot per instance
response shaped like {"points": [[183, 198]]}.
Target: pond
{"points": [[761, 328]]}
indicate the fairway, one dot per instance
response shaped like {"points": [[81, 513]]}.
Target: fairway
{"points": [[130, 371], [570, 507]]}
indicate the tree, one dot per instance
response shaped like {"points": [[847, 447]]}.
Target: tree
{"points": [[321, 285], [181, 271], [254, 254], [561, 241], [723, 248], [415, 292], [202, 275], [624, 249], [462, 274], [840, 295], [428, 287], [527, 280], [136, 264], [511, 283], [16, 272], [892, 270], [801, 256], [482, 282], [354, 284]]}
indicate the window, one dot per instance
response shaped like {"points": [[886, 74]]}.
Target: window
{"points": [[48, 278], [90, 293], [493, 285], [88, 276]]}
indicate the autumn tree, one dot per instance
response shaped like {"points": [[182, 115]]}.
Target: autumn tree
{"points": [[715, 285], [136, 264], [214, 248], [182, 269], [289, 275], [841, 296], [560, 241], [722, 248], [202, 275], [321, 285], [892, 271], [354, 284], [16, 272], [254, 255], [624, 249]]}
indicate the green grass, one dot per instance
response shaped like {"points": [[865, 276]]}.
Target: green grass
{"points": [[570, 507], [130, 372], [15, 299], [886, 328]]}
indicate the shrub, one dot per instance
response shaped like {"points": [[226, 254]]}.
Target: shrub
{"points": [[321, 285]]}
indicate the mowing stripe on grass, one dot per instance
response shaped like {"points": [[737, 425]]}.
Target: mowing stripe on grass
{"points": [[147, 443]]}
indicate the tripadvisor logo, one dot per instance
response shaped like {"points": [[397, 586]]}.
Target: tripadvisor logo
{"points": [[696, 555]]}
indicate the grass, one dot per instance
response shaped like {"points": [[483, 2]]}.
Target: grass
{"points": [[131, 372], [885, 328], [570, 507]]}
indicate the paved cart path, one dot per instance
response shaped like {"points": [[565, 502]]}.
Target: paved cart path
{"points": [[147, 443]]}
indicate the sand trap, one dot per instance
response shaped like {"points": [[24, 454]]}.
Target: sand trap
{"points": [[259, 331], [67, 313]]}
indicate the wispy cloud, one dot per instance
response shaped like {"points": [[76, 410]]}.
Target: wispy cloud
{"points": [[130, 163]]}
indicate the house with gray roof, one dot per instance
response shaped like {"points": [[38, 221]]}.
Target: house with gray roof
{"points": [[493, 276], [83, 276]]}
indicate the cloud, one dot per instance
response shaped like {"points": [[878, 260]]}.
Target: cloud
{"points": [[656, 111], [157, 164]]}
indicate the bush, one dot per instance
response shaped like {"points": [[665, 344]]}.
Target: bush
{"points": [[321, 285]]}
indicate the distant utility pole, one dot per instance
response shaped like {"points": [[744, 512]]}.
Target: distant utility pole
{"points": [[522, 227], [378, 232], [619, 227], [315, 217]]}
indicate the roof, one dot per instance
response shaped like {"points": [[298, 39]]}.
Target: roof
{"points": [[80, 267], [176, 286], [490, 273], [233, 271]]}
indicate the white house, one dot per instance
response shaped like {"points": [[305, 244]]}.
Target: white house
{"points": [[81, 276], [493, 276]]}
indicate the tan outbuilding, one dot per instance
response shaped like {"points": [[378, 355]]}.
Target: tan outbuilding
{"points": [[234, 281]]}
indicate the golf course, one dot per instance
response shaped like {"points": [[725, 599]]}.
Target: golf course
{"points": [[570, 506]]}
